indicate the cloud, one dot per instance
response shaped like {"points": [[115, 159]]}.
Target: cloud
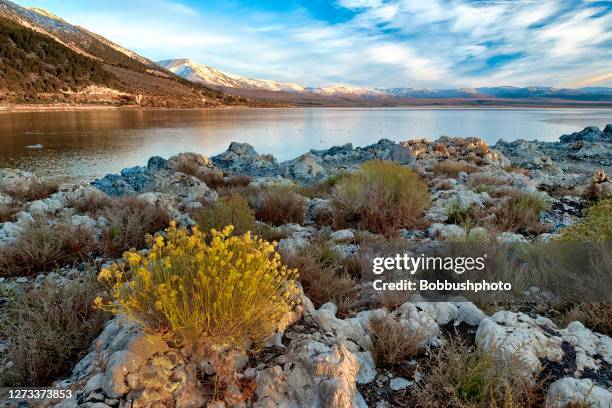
{"points": [[380, 43]]}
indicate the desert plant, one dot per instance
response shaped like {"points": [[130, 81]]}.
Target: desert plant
{"points": [[392, 342], [43, 246], [457, 377], [280, 205], [129, 220], [36, 190], [47, 330], [595, 227], [596, 316], [520, 212], [93, 205], [8, 211], [381, 197], [452, 168], [230, 210], [227, 291]]}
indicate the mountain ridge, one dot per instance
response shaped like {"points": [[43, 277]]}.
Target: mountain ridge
{"points": [[216, 78]]}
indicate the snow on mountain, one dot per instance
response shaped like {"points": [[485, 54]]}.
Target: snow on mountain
{"points": [[347, 91], [213, 77]]}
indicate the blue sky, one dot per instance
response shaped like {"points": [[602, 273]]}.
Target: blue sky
{"points": [[373, 43]]}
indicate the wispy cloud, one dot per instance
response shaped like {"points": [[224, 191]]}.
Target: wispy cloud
{"points": [[377, 43]]}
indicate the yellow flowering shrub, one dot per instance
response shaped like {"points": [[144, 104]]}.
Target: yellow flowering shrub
{"points": [[227, 290]]}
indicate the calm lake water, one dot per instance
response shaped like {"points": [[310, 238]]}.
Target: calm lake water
{"points": [[90, 144]]}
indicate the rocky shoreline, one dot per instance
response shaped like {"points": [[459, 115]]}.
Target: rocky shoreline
{"points": [[321, 356]]}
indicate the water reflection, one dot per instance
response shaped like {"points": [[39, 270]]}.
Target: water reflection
{"points": [[88, 144]]}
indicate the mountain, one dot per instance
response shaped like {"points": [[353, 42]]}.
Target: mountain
{"points": [[212, 77], [345, 94], [119, 76]]}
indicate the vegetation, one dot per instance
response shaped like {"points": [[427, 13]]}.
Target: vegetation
{"points": [[32, 62], [230, 210], [324, 276], [595, 227], [47, 330], [451, 168], [393, 342], [43, 246], [477, 379], [230, 291], [382, 197], [520, 212], [280, 205], [8, 211], [36, 190], [129, 220], [595, 316]]}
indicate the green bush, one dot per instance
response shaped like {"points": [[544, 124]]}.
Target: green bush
{"points": [[595, 227], [520, 212], [230, 210], [47, 331], [382, 197]]}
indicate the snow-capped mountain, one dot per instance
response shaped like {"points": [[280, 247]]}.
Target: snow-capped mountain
{"points": [[213, 77]]}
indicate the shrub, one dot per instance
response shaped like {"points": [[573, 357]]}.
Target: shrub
{"points": [[8, 211], [213, 178], [93, 205], [280, 205], [43, 246], [230, 291], [324, 283], [520, 212], [47, 330], [595, 227], [129, 220], [232, 210], [392, 342], [452, 168], [595, 316], [37, 190], [479, 379], [381, 197]]}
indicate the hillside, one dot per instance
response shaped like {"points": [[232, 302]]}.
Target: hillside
{"points": [[32, 63], [115, 76]]}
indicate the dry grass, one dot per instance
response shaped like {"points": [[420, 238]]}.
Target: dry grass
{"points": [[93, 205], [42, 247], [230, 210], [211, 178], [323, 276], [452, 168], [520, 212], [280, 205], [479, 179], [47, 330], [382, 197], [392, 299], [456, 377], [37, 190], [393, 343], [129, 221], [595, 316], [8, 211]]}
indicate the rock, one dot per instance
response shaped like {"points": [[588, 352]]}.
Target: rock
{"points": [[307, 167], [5, 199], [157, 163], [511, 238], [570, 390], [576, 348], [193, 164], [367, 367], [342, 236], [318, 211], [445, 231], [316, 375], [16, 180], [242, 158], [468, 313], [588, 134], [399, 383]]}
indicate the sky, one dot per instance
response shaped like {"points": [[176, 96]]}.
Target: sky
{"points": [[370, 43]]}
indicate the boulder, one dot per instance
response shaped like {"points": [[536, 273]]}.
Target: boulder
{"points": [[242, 158], [570, 390]]}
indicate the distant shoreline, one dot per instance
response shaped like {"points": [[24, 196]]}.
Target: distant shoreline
{"points": [[92, 107]]}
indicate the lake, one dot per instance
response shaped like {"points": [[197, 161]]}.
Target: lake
{"points": [[90, 144]]}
